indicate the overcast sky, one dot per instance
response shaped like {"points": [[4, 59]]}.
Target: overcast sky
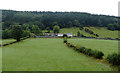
{"points": [[107, 7]]}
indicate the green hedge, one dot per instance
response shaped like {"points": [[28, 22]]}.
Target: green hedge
{"points": [[94, 53], [114, 58], [65, 39]]}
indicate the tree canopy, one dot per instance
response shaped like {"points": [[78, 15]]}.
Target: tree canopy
{"points": [[50, 19], [17, 32]]}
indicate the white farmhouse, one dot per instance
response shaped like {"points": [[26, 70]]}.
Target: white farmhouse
{"points": [[61, 34], [69, 34]]}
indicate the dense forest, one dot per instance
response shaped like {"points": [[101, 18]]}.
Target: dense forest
{"points": [[50, 19], [34, 21]]}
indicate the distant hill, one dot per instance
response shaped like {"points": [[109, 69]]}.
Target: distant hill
{"points": [[49, 19]]}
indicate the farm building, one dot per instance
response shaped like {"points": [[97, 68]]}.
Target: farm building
{"points": [[60, 34], [68, 34]]}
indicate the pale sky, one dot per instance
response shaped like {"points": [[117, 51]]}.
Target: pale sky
{"points": [[106, 7]]}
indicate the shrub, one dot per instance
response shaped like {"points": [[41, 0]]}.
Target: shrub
{"points": [[87, 51], [78, 33], [65, 40], [67, 43], [114, 59], [71, 45], [76, 49], [91, 52], [5, 44], [82, 35], [98, 54], [117, 38], [89, 31], [64, 35], [96, 35], [82, 49]]}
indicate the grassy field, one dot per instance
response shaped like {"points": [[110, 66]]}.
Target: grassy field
{"points": [[103, 32], [5, 41], [47, 54], [74, 31], [106, 46]]}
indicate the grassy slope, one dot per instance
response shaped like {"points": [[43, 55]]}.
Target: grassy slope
{"points": [[103, 32], [69, 30], [107, 46], [47, 54], [74, 31]]}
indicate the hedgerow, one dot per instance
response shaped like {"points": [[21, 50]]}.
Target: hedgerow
{"points": [[114, 58], [87, 51]]}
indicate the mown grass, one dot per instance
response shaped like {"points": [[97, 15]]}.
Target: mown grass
{"points": [[47, 54], [5, 41], [106, 46]]}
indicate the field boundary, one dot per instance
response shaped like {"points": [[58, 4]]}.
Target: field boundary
{"points": [[12, 42], [77, 37], [96, 38]]}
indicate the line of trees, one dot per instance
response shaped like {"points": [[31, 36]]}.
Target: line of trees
{"points": [[63, 19], [20, 31]]}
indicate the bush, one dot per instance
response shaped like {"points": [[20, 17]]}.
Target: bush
{"points": [[89, 31], [76, 49], [65, 40], [96, 35], [82, 49], [71, 45], [114, 59], [82, 35], [90, 52], [5, 44], [64, 35], [98, 54], [78, 33], [117, 38], [87, 51]]}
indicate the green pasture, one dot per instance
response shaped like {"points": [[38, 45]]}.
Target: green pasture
{"points": [[106, 46], [48, 54]]}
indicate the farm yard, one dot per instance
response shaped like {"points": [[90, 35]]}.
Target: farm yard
{"points": [[47, 54]]}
